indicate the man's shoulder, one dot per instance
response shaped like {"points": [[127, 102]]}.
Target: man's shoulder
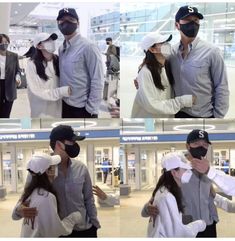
{"points": [[78, 164], [207, 45]]}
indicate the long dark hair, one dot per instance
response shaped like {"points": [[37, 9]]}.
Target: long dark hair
{"points": [[39, 62], [155, 68], [42, 183], [166, 180], [2, 35]]}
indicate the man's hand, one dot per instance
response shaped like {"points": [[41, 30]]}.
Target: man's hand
{"points": [[136, 83], [18, 82], [202, 166], [152, 210], [99, 193], [27, 212]]}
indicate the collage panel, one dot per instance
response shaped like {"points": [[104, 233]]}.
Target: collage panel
{"points": [[179, 174], [180, 59], [59, 60], [90, 165]]}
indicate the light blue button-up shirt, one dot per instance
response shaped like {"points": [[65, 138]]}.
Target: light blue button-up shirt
{"points": [[81, 68], [201, 73], [75, 194]]}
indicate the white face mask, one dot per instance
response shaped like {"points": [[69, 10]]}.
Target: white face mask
{"points": [[166, 50], [49, 46], [186, 176]]}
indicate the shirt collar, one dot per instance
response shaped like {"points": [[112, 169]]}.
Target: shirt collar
{"points": [[73, 40], [191, 46]]}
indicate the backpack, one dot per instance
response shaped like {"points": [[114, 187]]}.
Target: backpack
{"points": [[118, 52]]}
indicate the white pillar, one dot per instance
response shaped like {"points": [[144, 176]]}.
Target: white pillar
{"points": [[5, 13], [14, 171], [91, 161], [137, 168]]}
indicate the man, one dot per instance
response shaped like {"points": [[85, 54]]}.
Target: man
{"points": [[225, 182], [73, 184], [197, 197], [112, 48], [198, 69], [80, 67]]}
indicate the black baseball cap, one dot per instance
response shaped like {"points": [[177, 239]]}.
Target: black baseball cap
{"points": [[108, 39], [64, 132], [67, 11], [197, 134], [186, 11]]}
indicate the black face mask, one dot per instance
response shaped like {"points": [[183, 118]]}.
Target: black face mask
{"points": [[107, 43], [67, 28], [190, 29], [198, 152], [3, 47], [72, 150]]}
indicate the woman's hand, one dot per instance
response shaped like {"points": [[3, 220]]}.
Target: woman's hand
{"points": [[70, 90], [194, 98]]}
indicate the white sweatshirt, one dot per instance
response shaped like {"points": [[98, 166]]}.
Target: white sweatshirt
{"points": [[169, 221], [225, 182], [153, 102], [44, 96], [47, 223], [224, 203]]}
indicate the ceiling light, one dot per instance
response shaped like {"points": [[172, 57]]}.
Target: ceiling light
{"points": [[193, 126], [88, 124]]}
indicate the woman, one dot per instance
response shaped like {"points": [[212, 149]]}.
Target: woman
{"points": [[43, 79], [9, 77], [153, 98], [168, 198], [40, 194]]}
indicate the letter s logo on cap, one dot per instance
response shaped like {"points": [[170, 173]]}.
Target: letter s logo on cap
{"points": [[66, 10], [190, 9], [201, 134]]}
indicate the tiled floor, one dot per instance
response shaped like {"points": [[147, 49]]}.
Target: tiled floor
{"points": [[108, 217], [124, 221], [133, 225]]}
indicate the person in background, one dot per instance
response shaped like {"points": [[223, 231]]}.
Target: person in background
{"points": [[45, 95], [41, 196], [81, 68], [167, 197], [155, 81], [108, 199], [31, 50], [9, 77]]}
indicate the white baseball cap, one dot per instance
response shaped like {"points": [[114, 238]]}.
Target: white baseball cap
{"points": [[174, 160], [153, 38], [42, 37], [39, 163]]}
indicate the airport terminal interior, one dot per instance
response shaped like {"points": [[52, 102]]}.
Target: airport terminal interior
{"points": [[133, 146], [123, 155], [137, 19], [28, 19]]}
